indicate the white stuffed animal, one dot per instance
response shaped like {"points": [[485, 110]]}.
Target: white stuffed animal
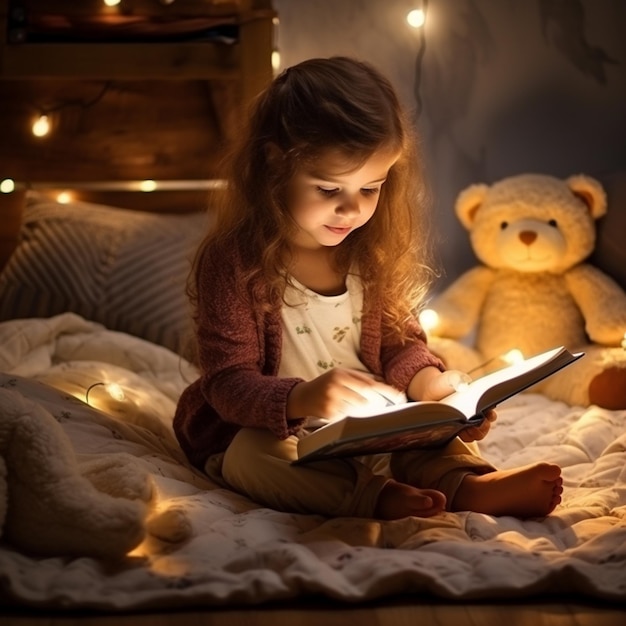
{"points": [[52, 503]]}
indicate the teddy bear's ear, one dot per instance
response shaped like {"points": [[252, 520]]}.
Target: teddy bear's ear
{"points": [[591, 192], [468, 202]]}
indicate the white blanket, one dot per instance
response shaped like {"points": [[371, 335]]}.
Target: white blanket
{"points": [[182, 540]]}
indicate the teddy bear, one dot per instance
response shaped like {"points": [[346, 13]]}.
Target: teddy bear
{"points": [[533, 290]]}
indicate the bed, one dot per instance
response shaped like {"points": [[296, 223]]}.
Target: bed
{"points": [[91, 379], [100, 511]]}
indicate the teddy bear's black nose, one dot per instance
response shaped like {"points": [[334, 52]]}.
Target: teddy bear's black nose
{"points": [[528, 236]]}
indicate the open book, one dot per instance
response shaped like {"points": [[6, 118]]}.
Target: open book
{"points": [[429, 424]]}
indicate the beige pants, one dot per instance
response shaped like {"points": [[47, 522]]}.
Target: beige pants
{"points": [[258, 465]]}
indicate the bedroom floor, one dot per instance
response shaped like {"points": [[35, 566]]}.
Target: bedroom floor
{"points": [[399, 613]]}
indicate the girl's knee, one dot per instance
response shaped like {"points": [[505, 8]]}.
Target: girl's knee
{"points": [[253, 456], [258, 443]]}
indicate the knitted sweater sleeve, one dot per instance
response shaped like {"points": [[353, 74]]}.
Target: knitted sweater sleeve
{"points": [[395, 360], [239, 352]]}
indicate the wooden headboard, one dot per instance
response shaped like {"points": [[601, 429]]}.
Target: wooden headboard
{"points": [[145, 90]]}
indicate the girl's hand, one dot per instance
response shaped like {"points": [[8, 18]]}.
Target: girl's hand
{"points": [[435, 385], [476, 433], [337, 393], [431, 384]]}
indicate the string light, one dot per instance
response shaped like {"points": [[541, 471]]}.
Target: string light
{"points": [[41, 126], [416, 18], [113, 389], [64, 197], [275, 58], [510, 358], [148, 185], [7, 185], [428, 319]]}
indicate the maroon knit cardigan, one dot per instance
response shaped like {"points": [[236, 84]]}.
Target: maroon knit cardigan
{"points": [[239, 351]]}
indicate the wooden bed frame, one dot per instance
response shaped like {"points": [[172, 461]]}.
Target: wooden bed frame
{"points": [[129, 110], [235, 74]]}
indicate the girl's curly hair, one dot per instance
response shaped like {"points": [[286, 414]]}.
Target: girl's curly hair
{"points": [[342, 104]]}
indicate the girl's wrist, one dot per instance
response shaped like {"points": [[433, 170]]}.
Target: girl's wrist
{"points": [[295, 408], [417, 389]]}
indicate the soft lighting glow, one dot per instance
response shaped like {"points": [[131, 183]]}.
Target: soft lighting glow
{"points": [[513, 356], [429, 319], [275, 60], [112, 3], [64, 197], [510, 358], [147, 185], [115, 391], [624, 342], [41, 126], [7, 185], [416, 18]]}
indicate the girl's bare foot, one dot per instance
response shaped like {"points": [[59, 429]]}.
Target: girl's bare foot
{"points": [[398, 500], [531, 491]]}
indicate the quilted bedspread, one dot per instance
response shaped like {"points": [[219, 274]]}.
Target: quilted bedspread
{"points": [[99, 508]]}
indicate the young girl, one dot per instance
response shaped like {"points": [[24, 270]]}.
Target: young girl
{"points": [[305, 296]]}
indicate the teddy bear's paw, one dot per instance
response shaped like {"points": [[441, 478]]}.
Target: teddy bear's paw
{"points": [[171, 525], [118, 475], [608, 389]]}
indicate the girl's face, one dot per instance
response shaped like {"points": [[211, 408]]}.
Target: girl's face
{"points": [[330, 197]]}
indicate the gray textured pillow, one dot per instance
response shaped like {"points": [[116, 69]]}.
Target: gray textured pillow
{"points": [[124, 269]]}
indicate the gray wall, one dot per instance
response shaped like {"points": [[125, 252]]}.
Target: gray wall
{"points": [[504, 86]]}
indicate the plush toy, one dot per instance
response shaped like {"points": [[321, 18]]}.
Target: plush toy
{"points": [[533, 290], [51, 504], [55, 501]]}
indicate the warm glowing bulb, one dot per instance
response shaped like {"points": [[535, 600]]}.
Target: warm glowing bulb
{"points": [[147, 185], [275, 60], [112, 3], [624, 342], [7, 186], [41, 127], [115, 391], [429, 319], [416, 18], [513, 356], [64, 197]]}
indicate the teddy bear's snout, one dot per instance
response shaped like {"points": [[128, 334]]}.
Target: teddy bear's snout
{"points": [[527, 237]]}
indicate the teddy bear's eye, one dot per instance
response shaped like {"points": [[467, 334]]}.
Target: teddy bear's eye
{"points": [[553, 223], [504, 225]]}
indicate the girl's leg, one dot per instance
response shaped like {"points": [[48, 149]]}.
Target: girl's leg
{"points": [[472, 484], [531, 491], [439, 468], [258, 465]]}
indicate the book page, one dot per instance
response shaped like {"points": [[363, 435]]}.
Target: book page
{"points": [[488, 391]]}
